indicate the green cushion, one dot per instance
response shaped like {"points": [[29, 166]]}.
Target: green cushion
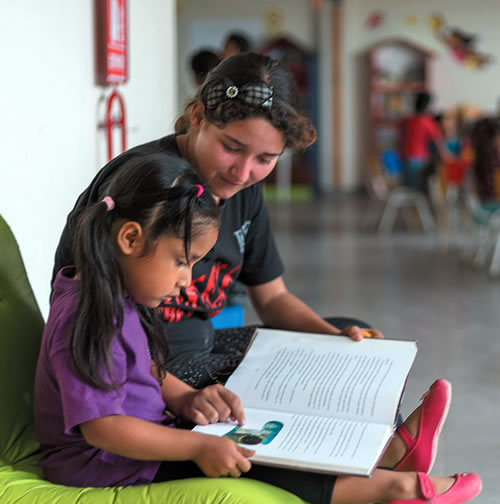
{"points": [[22, 488], [21, 327]]}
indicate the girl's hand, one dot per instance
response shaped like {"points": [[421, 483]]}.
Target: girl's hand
{"points": [[219, 456], [212, 404], [357, 333]]}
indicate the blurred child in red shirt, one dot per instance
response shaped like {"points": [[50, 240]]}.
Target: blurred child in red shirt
{"points": [[419, 134]]}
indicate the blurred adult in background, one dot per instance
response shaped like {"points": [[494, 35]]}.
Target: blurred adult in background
{"points": [[202, 62], [485, 141], [235, 43]]}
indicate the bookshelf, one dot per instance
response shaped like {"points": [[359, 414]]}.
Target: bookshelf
{"points": [[397, 71]]}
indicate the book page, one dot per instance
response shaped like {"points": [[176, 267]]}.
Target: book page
{"points": [[324, 375], [307, 442]]}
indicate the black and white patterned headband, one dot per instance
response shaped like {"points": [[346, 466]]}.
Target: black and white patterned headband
{"points": [[255, 94]]}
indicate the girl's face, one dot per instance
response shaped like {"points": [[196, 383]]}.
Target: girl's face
{"points": [[236, 156], [161, 273]]}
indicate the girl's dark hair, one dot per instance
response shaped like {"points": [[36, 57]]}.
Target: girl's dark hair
{"points": [[161, 193], [284, 115]]}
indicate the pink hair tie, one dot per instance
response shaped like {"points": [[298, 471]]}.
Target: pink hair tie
{"points": [[110, 204], [200, 190]]}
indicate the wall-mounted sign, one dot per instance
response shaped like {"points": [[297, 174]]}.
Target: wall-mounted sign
{"points": [[111, 41]]}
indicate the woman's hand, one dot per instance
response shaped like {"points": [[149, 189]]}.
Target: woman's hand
{"points": [[357, 333], [218, 456], [212, 404]]}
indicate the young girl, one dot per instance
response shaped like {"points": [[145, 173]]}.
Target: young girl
{"points": [[101, 389], [232, 133], [134, 248]]}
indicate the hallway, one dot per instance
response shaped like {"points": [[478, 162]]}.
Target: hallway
{"points": [[410, 286]]}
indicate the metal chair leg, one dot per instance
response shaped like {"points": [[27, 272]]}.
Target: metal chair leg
{"points": [[425, 214], [388, 217], [483, 247], [495, 260]]}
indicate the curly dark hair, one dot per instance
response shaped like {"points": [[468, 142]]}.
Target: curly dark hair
{"points": [[284, 115]]}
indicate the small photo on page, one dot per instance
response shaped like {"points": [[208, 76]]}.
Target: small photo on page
{"points": [[254, 436]]}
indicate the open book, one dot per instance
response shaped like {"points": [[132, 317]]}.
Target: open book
{"points": [[317, 402]]}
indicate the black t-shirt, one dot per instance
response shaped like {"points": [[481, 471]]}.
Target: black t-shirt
{"points": [[244, 251]]}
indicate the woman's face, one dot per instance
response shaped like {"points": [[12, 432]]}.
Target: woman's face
{"points": [[236, 156]]}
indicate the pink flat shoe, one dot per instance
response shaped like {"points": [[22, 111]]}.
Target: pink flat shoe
{"points": [[422, 450], [466, 487]]}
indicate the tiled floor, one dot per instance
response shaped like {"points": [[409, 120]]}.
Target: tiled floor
{"points": [[410, 286]]}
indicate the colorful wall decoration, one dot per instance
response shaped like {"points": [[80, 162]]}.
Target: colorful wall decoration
{"points": [[274, 20], [375, 19], [460, 43], [411, 20]]}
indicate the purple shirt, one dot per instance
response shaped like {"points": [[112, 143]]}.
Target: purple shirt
{"points": [[63, 401]]}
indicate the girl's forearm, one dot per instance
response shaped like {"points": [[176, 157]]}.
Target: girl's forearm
{"points": [[139, 439], [175, 393]]}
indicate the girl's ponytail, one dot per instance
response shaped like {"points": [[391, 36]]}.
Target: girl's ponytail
{"points": [[102, 311]]}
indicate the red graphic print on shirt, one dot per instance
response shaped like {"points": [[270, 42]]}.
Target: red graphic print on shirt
{"points": [[206, 294]]}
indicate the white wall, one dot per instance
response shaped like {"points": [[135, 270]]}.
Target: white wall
{"points": [[50, 144], [452, 83], [324, 34]]}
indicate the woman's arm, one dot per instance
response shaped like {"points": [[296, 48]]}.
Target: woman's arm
{"points": [[279, 308], [142, 440]]}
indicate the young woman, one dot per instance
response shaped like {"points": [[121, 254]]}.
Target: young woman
{"points": [[101, 389], [232, 133]]}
